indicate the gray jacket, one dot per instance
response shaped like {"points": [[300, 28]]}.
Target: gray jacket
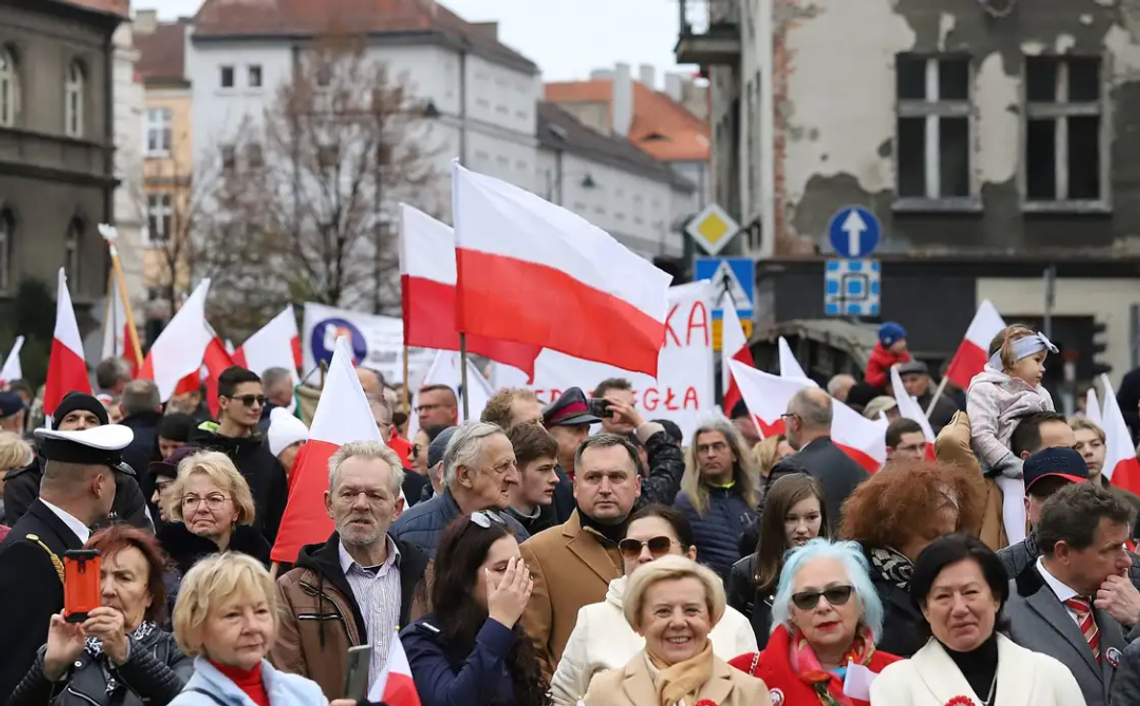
{"points": [[1126, 686], [423, 524]]}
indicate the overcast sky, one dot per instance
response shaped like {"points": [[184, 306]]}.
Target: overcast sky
{"points": [[566, 38]]}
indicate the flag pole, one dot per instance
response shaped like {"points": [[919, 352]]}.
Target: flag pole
{"points": [[110, 233], [407, 383], [937, 395], [463, 374]]}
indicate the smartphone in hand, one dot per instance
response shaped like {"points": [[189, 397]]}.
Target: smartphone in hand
{"points": [[82, 584], [356, 676]]}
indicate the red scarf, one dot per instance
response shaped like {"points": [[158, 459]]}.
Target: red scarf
{"points": [[806, 666], [248, 680]]}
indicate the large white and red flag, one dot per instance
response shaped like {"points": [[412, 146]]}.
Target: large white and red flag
{"points": [[767, 397], [277, 344], [909, 408], [427, 285], [67, 369], [733, 346], [789, 366], [1120, 464], [12, 369], [343, 415], [973, 352], [532, 272], [175, 359], [395, 686]]}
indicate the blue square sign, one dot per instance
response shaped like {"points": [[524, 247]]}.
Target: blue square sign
{"points": [[852, 288]]}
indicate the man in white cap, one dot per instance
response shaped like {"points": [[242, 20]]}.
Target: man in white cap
{"points": [[77, 491]]}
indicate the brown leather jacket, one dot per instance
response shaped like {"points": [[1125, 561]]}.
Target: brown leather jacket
{"points": [[953, 446], [319, 618]]}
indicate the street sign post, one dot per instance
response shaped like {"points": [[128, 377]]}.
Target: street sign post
{"points": [[852, 288], [734, 280], [854, 232], [713, 228]]}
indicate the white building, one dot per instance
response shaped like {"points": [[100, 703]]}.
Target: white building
{"points": [[129, 108]]}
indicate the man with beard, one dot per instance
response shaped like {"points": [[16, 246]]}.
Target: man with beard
{"points": [[360, 582]]}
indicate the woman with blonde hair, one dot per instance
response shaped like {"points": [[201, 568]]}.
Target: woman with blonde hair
{"points": [[211, 511], [14, 453], [771, 451], [720, 492], [673, 603]]}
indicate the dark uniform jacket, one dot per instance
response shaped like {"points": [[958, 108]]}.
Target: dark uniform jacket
{"points": [[31, 583], [22, 487]]}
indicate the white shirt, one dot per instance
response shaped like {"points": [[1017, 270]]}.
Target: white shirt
{"points": [[1062, 591], [73, 523]]}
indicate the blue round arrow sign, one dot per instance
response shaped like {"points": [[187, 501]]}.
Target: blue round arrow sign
{"points": [[854, 232]]}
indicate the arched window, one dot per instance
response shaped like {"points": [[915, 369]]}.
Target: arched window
{"points": [[73, 97], [73, 246], [7, 236], [9, 88]]}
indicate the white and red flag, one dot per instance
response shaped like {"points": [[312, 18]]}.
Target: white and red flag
{"points": [[277, 344], [733, 346], [215, 360], [447, 369], [427, 285], [1092, 408], [535, 273], [343, 415], [767, 397], [395, 685], [1120, 464], [909, 408], [789, 366], [116, 329], [175, 359], [973, 352], [67, 369], [12, 369]]}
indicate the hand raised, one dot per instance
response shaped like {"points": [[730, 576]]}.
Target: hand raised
{"points": [[507, 601], [65, 642]]}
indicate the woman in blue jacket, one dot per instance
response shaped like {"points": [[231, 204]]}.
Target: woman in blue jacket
{"points": [[471, 651]]}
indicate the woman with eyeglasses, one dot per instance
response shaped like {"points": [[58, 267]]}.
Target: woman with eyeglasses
{"points": [[795, 513], [602, 639], [828, 617], [211, 511], [471, 650]]}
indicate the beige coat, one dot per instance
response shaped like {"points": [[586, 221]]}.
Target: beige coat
{"points": [[632, 685], [953, 446]]}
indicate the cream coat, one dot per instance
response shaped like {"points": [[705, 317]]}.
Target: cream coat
{"points": [[632, 685], [602, 639], [931, 678]]}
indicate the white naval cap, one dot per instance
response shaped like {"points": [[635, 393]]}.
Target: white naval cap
{"points": [[96, 446]]}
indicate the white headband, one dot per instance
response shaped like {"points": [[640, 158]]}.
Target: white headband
{"points": [[1025, 347]]}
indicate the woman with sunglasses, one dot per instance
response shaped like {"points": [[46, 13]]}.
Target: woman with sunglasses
{"points": [[828, 617], [471, 650], [602, 639], [795, 513]]}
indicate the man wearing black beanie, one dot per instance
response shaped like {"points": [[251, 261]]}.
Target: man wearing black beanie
{"points": [[77, 411]]}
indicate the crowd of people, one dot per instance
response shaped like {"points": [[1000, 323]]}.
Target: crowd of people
{"points": [[553, 555]]}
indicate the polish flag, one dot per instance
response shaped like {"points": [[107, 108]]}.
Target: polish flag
{"points": [[275, 345], [973, 353], [175, 360], [909, 408], [343, 415], [12, 369], [215, 360], [789, 366], [767, 397], [395, 685], [733, 346], [446, 369], [117, 330], [1120, 465], [1092, 408], [532, 272], [427, 285], [67, 370]]}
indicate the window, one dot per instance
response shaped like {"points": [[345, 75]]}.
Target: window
{"points": [[227, 76], [933, 141], [9, 90], [324, 74], [328, 156], [254, 156], [1063, 145], [229, 157], [72, 246], [158, 217], [73, 100], [7, 235], [254, 76], [158, 125]]}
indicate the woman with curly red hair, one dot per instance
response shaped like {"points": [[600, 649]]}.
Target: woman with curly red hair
{"points": [[894, 516]]}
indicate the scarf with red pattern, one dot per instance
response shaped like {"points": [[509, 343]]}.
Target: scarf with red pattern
{"points": [[828, 686]]}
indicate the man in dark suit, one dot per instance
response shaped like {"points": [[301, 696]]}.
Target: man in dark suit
{"points": [[1072, 602], [807, 424], [77, 491]]}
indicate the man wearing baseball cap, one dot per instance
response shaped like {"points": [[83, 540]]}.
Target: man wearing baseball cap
{"points": [[568, 419], [13, 412]]}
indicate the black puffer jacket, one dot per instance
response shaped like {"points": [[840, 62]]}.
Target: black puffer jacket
{"points": [[740, 590], [186, 548], [154, 673]]}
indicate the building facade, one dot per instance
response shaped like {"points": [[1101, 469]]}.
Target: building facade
{"points": [[57, 133], [130, 212]]}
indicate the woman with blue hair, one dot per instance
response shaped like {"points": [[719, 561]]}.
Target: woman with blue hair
{"points": [[826, 619]]}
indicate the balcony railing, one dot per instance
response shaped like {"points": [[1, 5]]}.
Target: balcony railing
{"points": [[710, 32]]}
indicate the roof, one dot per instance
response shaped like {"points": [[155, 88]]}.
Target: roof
{"points": [[661, 127], [122, 8], [559, 130], [275, 18], [162, 53]]}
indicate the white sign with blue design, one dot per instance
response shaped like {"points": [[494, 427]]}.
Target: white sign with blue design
{"points": [[734, 275], [854, 232], [852, 288]]}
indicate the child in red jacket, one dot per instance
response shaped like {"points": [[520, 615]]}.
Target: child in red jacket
{"points": [[889, 351]]}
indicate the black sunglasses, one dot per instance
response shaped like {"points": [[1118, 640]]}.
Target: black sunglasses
{"points": [[836, 595], [249, 400], [658, 546]]}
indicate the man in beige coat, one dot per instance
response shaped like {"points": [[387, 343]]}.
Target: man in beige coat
{"points": [[572, 564]]}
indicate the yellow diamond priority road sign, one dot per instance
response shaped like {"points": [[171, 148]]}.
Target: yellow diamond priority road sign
{"points": [[712, 228]]}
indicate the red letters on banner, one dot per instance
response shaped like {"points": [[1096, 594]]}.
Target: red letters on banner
{"points": [[698, 321], [650, 399]]}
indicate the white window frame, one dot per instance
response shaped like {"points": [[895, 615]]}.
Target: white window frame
{"points": [[73, 91], [9, 88], [1059, 111], [221, 77], [160, 212], [159, 129], [933, 109], [7, 231]]}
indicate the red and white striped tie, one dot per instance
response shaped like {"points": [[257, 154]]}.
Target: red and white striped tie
{"points": [[1083, 608]]}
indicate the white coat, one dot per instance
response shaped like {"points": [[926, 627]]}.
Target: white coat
{"points": [[931, 678], [602, 639]]}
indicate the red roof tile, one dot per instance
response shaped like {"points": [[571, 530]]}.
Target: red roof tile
{"points": [[162, 53]]}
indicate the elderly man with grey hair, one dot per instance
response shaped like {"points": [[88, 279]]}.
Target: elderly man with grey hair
{"points": [[360, 582], [479, 473], [807, 424]]}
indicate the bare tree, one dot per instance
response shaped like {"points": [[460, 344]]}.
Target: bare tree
{"points": [[306, 196]]}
